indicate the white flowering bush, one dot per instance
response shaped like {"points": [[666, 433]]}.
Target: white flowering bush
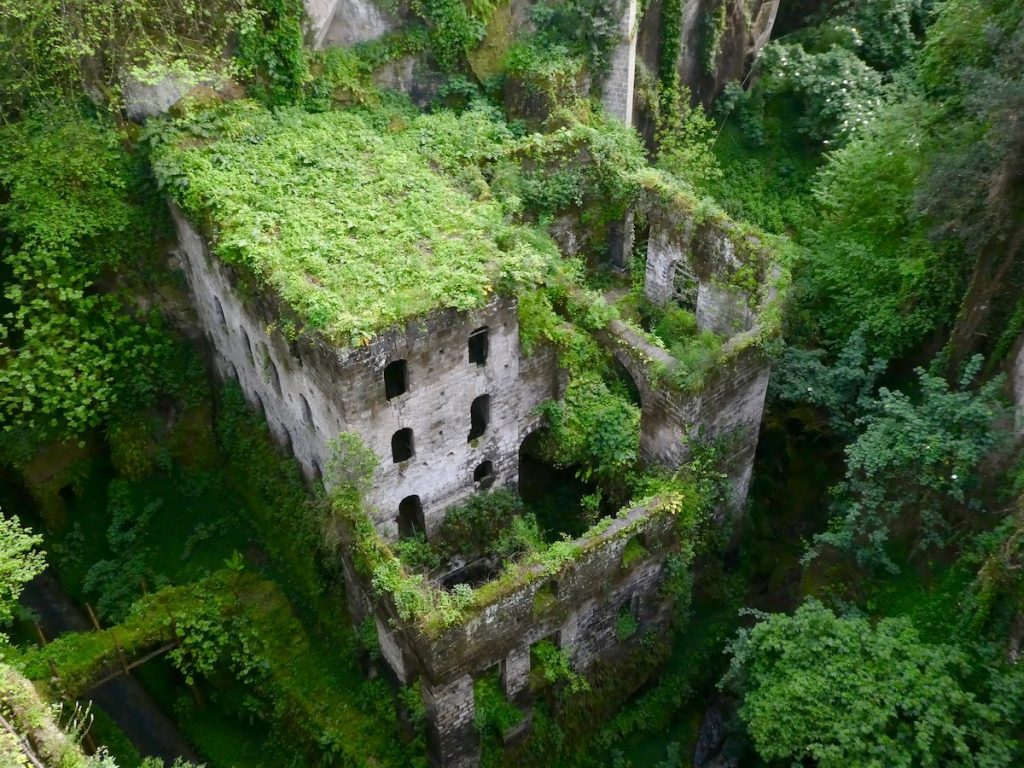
{"points": [[837, 93]]}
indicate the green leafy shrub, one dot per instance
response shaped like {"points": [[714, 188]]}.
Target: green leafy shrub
{"points": [[594, 429], [633, 553], [883, 30], [553, 666], [696, 352], [913, 471], [550, 75], [841, 692], [675, 324], [20, 562], [837, 94], [75, 208], [494, 522], [54, 52], [454, 28], [626, 625], [270, 51], [870, 261], [494, 713], [843, 389], [417, 553]]}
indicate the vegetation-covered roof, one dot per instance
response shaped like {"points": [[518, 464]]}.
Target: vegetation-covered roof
{"points": [[350, 224]]}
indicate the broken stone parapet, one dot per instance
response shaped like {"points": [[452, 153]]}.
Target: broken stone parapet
{"points": [[574, 601]]}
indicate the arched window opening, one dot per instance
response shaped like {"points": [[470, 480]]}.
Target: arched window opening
{"points": [[401, 445], [396, 379], [484, 474], [685, 286], [479, 416], [478, 345], [307, 412], [271, 369], [410, 517]]}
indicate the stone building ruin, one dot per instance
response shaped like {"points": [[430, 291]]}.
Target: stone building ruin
{"points": [[446, 398], [446, 401]]}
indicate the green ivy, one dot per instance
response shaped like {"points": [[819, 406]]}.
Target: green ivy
{"points": [[271, 53], [712, 28]]}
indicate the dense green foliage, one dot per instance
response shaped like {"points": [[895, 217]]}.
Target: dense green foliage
{"points": [[882, 136], [842, 692], [270, 51], [914, 469], [75, 212], [907, 243], [20, 562], [50, 52], [309, 223]]}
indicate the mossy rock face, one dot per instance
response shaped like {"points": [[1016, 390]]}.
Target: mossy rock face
{"points": [[488, 59], [50, 476]]}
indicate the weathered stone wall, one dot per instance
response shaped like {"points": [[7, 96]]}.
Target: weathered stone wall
{"points": [[577, 608], [617, 90], [748, 27], [311, 391], [730, 401]]}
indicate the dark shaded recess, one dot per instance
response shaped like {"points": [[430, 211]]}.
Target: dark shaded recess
{"points": [[410, 517], [396, 379], [479, 416], [479, 344], [402, 445]]}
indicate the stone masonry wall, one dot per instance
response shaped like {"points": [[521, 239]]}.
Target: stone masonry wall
{"points": [[577, 608], [617, 90], [730, 403], [310, 391]]}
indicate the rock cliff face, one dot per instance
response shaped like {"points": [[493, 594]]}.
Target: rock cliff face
{"points": [[346, 22], [719, 40]]}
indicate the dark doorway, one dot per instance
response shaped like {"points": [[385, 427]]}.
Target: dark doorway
{"points": [[401, 445], [396, 379], [410, 517], [484, 474], [478, 345], [479, 416]]}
